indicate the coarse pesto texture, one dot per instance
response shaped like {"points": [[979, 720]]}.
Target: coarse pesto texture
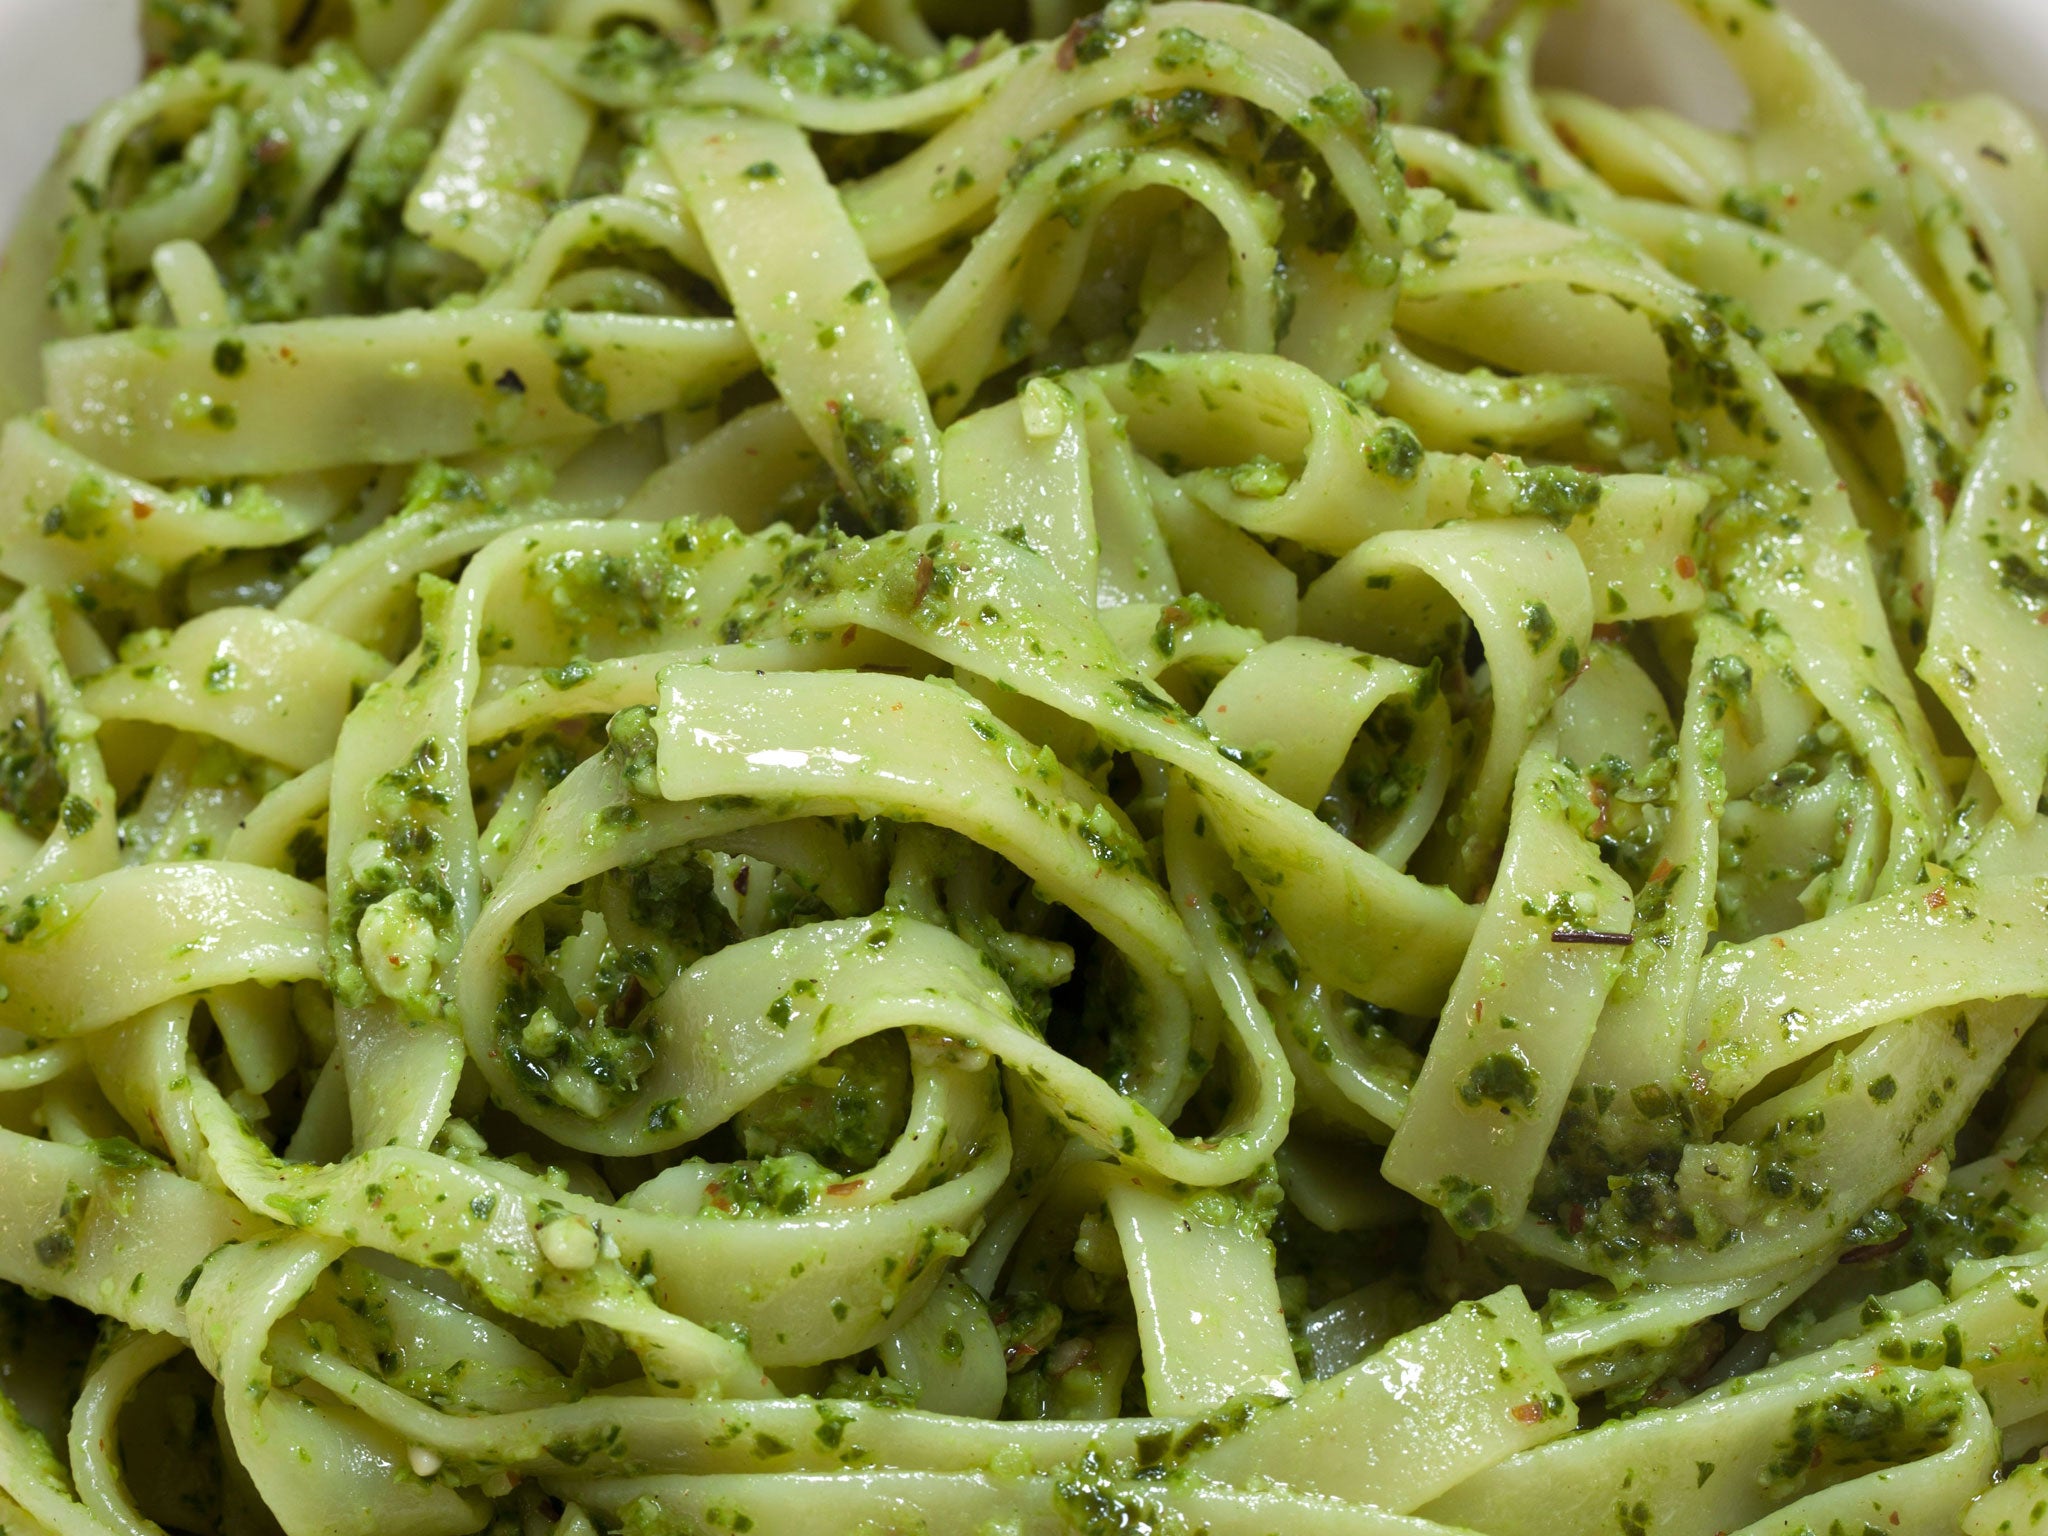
{"points": [[992, 768]]}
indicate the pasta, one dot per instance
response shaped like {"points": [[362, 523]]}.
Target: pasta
{"points": [[789, 769]]}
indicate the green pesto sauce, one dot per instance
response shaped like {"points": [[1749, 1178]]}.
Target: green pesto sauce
{"points": [[844, 1113], [1896, 1422], [1503, 1080], [32, 787]]}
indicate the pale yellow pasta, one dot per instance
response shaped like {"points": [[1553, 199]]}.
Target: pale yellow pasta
{"points": [[827, 768]]}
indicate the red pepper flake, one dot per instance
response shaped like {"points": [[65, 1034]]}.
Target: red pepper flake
{"points": [[1575, 1219], [1945, 493], [844, 1187], [1601, 803], [924, 579], [1937, 898], [1531, 1412], [714, 1192], [140, 509], [627, 1004], [1661, 872], [1064, 57], [1609, 631], [1871, 1253], [1686, 567], [1417, 176], [847, 637]]}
